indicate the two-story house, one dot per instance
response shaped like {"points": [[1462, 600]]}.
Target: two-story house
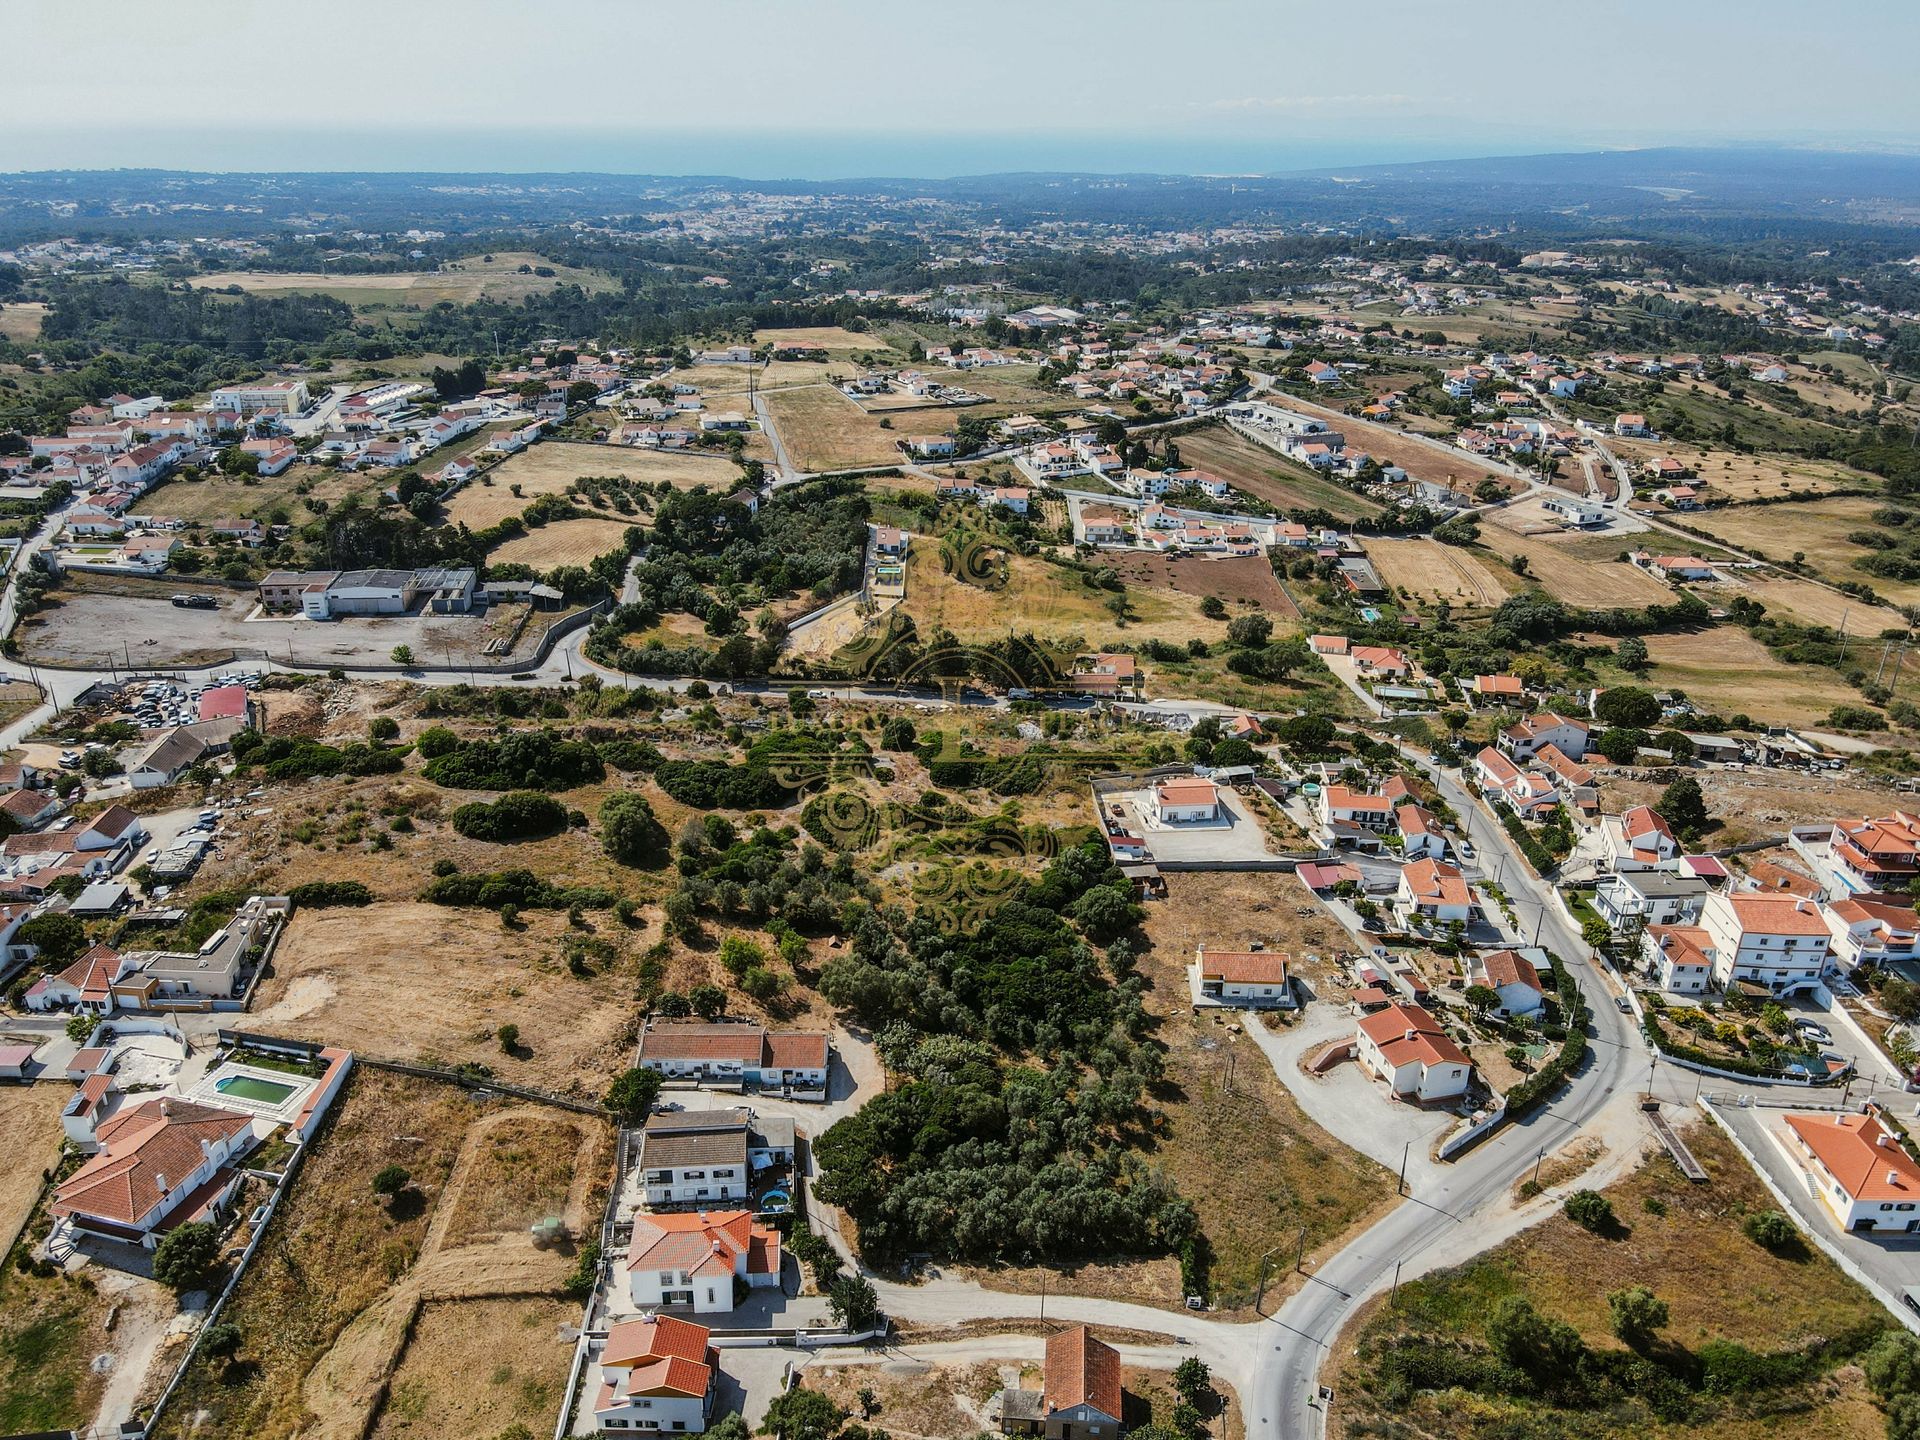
{"points": [[161, 1164], [1631, 900], [1639, 840], [691, 1261], [656, 1375]]}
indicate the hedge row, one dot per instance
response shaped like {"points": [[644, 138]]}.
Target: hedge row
{"points": [[1531, 1091]]}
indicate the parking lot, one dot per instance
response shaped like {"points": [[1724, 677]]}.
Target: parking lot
{"points": [[118, 627]]}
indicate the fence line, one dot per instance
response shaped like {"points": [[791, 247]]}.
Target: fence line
{"points": [[481, 1082]]}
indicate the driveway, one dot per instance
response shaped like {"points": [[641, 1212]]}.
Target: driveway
{"points": [[1347, 1102]]}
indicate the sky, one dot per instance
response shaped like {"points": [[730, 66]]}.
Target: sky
{"points": [[824, 89]]}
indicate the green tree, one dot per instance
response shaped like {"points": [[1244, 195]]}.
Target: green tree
{"points": [[1192, 1380], [629, 833], [632, 1094], [382, 727], [1590, 1210], [402, 655], [709, 1001], [1249, 631], [800, 703], [1770, 1230], [1482, 997], [509, 1037], [79, 1027], [1683, 807], [1636, 1315], [1627, 705], [853, 1303], [390, 1180], [803, 1414], [1213, 608], [220, 1340], [1546, 1349], [1106, 912], [185, 1259], [1632, 653], [897, 734]]}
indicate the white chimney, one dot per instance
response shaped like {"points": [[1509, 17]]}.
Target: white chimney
{"points": [[1893, 1177], [160, 1181]]}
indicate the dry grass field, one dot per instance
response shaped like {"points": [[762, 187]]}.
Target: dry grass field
{"points": [[562, 542], [549, 468], [219, 496], [1818, 529], [1727, 671], [522, 1170], [824, 430], [836, 340], [1725, 475], [1579, 569], [460, 281], [1051, 602], [1753, 804], [446, 1385], [1815, 604], [337, 972], [21, 322], [1266, 476], [1690, 1252], [1427, 570], [30, 1132], [730, 382]]}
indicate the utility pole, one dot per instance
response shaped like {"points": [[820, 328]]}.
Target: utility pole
{"points": [[1393, 1296], [1404, 1151], [1538, 1160], [1300, 1254]]}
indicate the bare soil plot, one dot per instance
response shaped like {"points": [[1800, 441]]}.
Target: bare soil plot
{"points": [[1571, 567], [459, 281], [1260, 472], [479, 1368], [274, 497], [337, 973], [1236, 579], [1689, 1251], [1427, 570], [824, 430], [562, 542], [521, 1167]]}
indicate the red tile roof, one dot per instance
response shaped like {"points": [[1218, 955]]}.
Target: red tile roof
{"points": [[1510, 967], [1081, 1370], [1243, 967], [1860, 1153], [1408, 1033], [144, 1144]]}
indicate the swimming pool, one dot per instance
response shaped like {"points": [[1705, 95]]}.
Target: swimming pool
{"points": [[252, 1087]]}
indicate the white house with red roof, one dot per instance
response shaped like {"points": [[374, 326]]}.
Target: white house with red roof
{"points": [[1527, 793], [1242, 979], [1405, 1046], [1640, 839], [656, 1374], [162, 1163], [1420, 834], [1524, 738], [1499, 690], [1337, 807], [1512, 977], [85, 985], [1858, 1168], [1678, 957], [691, 1261], [1871, 931], [738, 1054], [1432, 892], [1184, 800], [1868, 855], [1779, 942]]}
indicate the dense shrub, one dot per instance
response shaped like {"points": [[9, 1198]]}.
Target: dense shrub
{"points": [[521, 888], [322, 894], [525, 760], [715, 785], [517, 815]]}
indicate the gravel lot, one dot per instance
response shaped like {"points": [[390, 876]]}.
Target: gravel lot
{"points": [[86, 627]]}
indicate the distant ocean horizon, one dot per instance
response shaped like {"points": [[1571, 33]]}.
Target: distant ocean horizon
{"points": [[785, 155]]}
